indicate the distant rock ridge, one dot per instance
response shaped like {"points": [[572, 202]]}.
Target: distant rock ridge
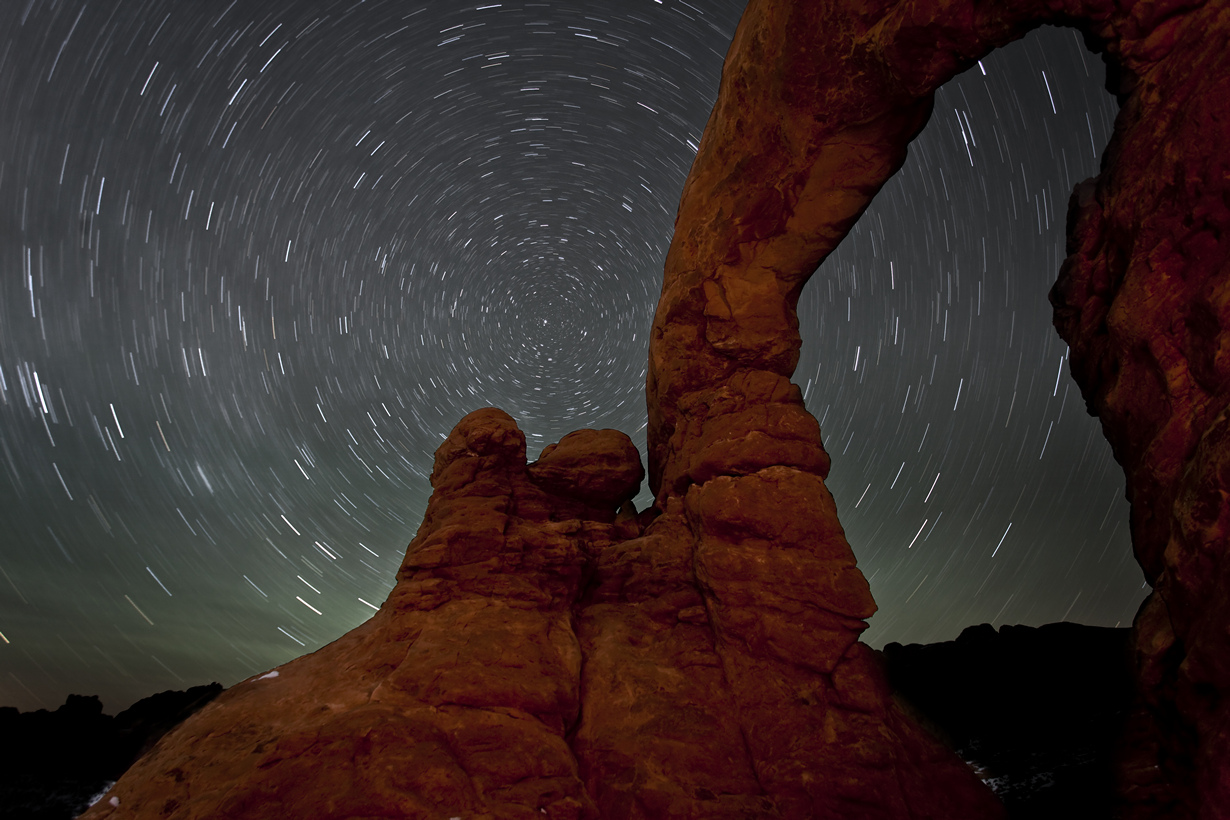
{"points": [[1040, 710], [547, 651], [52, 763]]}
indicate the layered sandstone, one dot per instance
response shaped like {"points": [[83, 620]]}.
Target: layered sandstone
{"points": [[547, 651]]}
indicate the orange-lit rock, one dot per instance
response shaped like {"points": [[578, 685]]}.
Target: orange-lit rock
{"points": [[593, 465], [818, 103], [547, 653], [454, 700]]}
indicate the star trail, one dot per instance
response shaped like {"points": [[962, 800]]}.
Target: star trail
{"points": [[259, 258]]}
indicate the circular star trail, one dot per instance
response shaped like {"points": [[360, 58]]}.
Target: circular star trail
{"points": [[259, 258]]}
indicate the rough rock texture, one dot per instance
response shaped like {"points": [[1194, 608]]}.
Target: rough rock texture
{"points": [[546, 651], [457, 698], [722, 678], [1144, 301], [817, 105], [542, 655]]}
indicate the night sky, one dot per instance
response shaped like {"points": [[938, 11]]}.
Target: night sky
{"points": [[258, 258]]}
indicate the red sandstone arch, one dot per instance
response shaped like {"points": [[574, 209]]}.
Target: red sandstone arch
{"points": [[817, 105], [545, 653]]}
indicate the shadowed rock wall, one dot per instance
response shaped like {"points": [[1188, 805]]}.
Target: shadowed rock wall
{"points": [[1144, 301], [548, 653]]}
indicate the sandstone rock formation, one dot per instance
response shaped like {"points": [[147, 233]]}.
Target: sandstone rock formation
{"points": [[818, 103], [541, 655], [457, 698], [546, 651], [1144, 301]]}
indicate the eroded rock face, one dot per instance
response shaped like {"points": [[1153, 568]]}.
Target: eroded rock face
{"points": [[1144, 301], [818, 102], [455, 700], [543, 655], [546, 651]]}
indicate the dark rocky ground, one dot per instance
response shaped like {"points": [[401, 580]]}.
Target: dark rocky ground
{"points": [[52, 763], [1036, 710]]}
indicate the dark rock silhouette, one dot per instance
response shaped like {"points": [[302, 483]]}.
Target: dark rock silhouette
{"points": [[548, 651], [51, 763], [1040, 710]]}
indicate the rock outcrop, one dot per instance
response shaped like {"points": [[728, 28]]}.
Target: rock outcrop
{"points": [[1144, 301], [817, 105], [457, 698], [546, 651], [543, 654]]}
